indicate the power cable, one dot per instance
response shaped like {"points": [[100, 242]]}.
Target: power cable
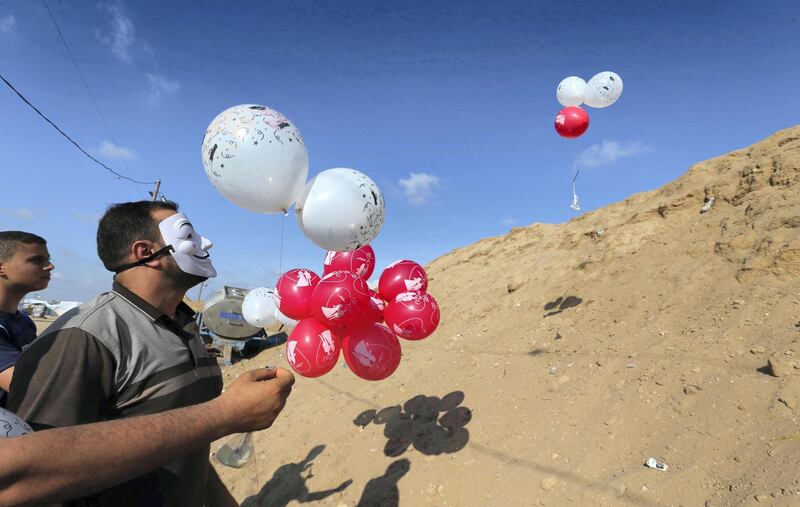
{"points": [[112, 171], [86, 85]]}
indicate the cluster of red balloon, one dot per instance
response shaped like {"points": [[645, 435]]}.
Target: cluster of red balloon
{"points": [[339, 313], [601, 91]]}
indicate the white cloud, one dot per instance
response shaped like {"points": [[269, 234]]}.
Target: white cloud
{"points": [[418, 188], [159, 87], [508, 221], [608, 152], [7, 23], [111, 150], [122, 35], [20, 213]]}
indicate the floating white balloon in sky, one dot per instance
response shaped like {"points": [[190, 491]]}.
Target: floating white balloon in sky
{"points": [[570, 91], [603, 89]]}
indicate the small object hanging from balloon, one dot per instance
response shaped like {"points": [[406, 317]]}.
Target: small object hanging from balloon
{"points": [[571, 122], [602, 90]]}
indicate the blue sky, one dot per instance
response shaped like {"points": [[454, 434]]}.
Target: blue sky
{"points": [[447, 106]]}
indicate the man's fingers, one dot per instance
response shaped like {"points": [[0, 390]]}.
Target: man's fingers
{"points": [[284, 378], [259, 375]]}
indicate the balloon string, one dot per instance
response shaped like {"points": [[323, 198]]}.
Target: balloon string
{"points": [[280, 258], [255, 468]]}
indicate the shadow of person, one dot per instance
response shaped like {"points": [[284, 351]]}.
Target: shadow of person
{"points": [[288, 483], [382, 491]]}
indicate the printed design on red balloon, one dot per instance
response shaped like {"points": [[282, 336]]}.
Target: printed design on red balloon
{"points": [[360, 262], [402, 276], [413, 315], [300, 364], [372, 352], [312, 349], [294, 291]]}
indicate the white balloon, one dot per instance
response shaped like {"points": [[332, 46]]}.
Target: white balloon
{"points": [[570, 91], [258, 307], [12, 425], [283, 319], [603, 89], [256, 158], [341, 209]]}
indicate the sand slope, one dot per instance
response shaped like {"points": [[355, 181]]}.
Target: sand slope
{"points": [[568, 354]]}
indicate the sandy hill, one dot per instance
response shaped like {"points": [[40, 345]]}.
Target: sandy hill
{"points": [[569, 354]]}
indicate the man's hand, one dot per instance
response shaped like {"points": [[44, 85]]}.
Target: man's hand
{"points": [[254, 400]]}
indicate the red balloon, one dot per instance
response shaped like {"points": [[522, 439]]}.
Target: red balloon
{"points": [[374, 312], [295, 289], [312, 348], [402, 276], [372, 351], [360, 262], [412, 315], [339, 299], [572, 122]]}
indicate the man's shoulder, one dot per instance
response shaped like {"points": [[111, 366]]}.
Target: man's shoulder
{"points": [[91, 318]]}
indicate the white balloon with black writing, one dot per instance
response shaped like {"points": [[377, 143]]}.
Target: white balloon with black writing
{"points": [[341, 210], [283, 319], [603, 89], [256, 158], [259, 307], [570, 91], [12, 425]]}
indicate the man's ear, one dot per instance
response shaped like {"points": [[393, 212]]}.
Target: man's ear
{"points": [[144, 248], [2, 270]]}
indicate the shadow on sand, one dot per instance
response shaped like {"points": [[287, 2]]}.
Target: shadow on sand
{"points": [[418, 423], [288, 483]]}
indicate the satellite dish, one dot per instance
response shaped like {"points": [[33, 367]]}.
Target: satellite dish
{"points": [[222, 314]]}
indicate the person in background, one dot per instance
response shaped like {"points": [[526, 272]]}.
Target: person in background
{"points": [[24, 267]]}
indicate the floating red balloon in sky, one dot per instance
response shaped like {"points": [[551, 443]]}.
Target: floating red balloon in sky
{"points": [[412, 315], [339, 299], [402, 276], [572, 122], [360, 262], [294, 290], [312, 348], [371, 351]]}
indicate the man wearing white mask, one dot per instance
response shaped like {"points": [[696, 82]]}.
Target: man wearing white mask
{"points": [[132, 351]]}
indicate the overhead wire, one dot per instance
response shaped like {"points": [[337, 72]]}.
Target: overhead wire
{"points": [[88, 90], [71, 140]]}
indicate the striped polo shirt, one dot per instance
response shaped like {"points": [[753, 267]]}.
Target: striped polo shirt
{"points": [[114, 357]]}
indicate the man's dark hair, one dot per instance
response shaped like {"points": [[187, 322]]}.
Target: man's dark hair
{"points": [[123, 224], [11, 240]]}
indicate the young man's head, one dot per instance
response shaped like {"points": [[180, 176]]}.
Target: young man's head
{"points": [[135, 236], [24, 262]]}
